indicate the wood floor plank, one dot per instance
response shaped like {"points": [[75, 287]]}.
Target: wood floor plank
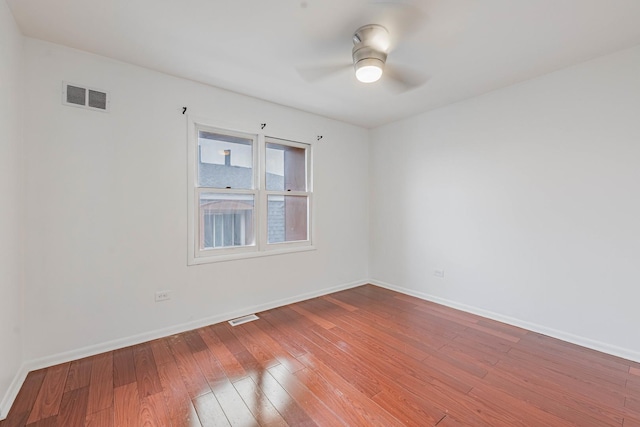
{"points": [[360, 357], [355, 408], [153, 411], [457, 348], [224, 394], [15, 420], [475, 365], [337, 302], [27, 394], [79, 374], [249, 363], [501, 326], [161, 352], [258, 403], [313, 406], [291, 346], [479, 342], [258, 349], [51, 421], [210, 412], [283, 357], [227, 338], [633, 385], [290, 410], [315, 319], [73, 408], [146, 371], [210, 368], [102, 418], [232, 367], [126, 406], [233, 406], [449, 421], [195, 341], [407, 408], [47, 403], [101, 385], [633, 403], [180, 409], [123, 367], [333, 311], [196, 384], [631, 423]]}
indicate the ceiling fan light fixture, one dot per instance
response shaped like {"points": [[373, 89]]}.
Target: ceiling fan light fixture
{"points": [[369, 70]]}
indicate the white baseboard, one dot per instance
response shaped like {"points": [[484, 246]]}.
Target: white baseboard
{"points": [[613, 350], [92, 350], [12, 392]]}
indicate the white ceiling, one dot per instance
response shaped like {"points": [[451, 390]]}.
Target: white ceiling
{"points": [[256, 47]]}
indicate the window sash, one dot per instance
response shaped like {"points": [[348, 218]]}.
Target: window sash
{"points": [[200, 231], [267, 245], [247, 136]]}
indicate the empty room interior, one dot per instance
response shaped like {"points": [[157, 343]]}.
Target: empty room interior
{"points": [[319, 212]]}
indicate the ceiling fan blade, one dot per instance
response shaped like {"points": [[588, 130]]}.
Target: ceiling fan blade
{"points": [[401, 17], [403, 79], [316, 73]]}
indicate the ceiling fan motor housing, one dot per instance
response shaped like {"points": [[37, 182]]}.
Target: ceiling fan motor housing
{"points": [[371, 43], [361, 53]]}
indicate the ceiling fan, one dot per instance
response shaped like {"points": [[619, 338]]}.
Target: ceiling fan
{"points": [[372, 45]]}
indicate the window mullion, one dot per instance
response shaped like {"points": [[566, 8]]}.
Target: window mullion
{"points": [[261, 197]]}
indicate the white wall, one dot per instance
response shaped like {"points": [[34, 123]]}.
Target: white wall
{"points": [[107, 208], [11, 205], [527, 197]]}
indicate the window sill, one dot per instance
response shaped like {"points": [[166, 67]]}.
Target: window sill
{"points": [[247, 255]]}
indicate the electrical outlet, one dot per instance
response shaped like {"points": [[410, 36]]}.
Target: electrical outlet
{"points": [[163, 296], [438, 273]]}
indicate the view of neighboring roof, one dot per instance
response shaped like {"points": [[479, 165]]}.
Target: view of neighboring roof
{"points": [[223, 176]]}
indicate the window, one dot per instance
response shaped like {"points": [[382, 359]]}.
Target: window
{"points": [[250, 195]]}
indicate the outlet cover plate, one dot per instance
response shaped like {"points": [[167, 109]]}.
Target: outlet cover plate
{"points": [[163, 296]]}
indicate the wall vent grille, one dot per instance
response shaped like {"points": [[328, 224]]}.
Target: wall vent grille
{"points": [[84, 97], [244, 319]]}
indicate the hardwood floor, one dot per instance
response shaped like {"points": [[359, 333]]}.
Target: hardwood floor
{"points": [[362, 357]]}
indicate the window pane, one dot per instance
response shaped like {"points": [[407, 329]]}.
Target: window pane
{"points": [[287, 218], [224, 161], [226, 220], [286, 168]]}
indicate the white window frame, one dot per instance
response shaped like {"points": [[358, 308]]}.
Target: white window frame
{"points": [[261, 246]]}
